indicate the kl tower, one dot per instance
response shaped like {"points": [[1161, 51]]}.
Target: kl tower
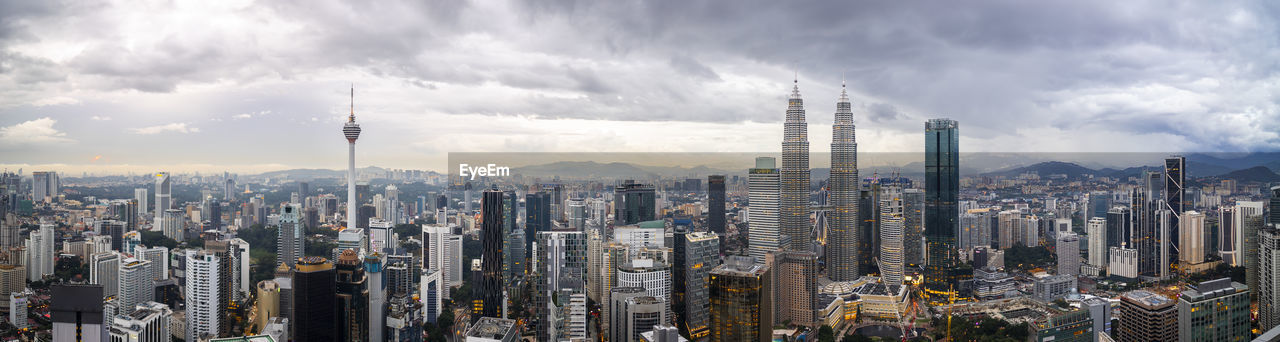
{"points": [[352, 131]]}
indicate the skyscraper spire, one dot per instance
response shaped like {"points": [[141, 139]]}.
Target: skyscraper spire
{"points": [[795, 88], [352, 118]]}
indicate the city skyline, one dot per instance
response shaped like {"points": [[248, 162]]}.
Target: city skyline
{"points": [[175, 95]]}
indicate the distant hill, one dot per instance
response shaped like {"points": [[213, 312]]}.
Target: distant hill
{"points": [[1253, 174], [575, 169], [310, 174], [1044, 169]]}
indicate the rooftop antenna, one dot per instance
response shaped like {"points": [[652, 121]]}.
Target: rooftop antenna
{"points": [[352, 118]]}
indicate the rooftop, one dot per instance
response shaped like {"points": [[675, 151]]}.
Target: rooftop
{"points": [[254, 338], [491, 328], [1147, 298]]}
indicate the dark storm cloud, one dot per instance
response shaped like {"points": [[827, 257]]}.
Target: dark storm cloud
{"points": [[1198, 70], [883, 112]]}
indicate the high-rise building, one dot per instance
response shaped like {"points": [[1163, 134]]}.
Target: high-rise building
{"points": [[892, 265], [1097, 230], [842, 234], [9, 230], [559, 254], [763, 188], [136, 284], [431, 292], [694, 254], [942, 190], [40, 253], [147, 322], [140, 195], [353, 239], [76, 312], [13, 278], [18, 310], [1191, 237], [653, 276], [1248, 219], [715, 206], [291, 237], [1068, 247], [1268, 278], [164, 193], [1175, 180], [537, 211], [913, 227], [377, 308], [1227, 236], [351, 131], [202, 295], [616, 311], [114, 229], [314, 296], [44, 186], [741, 297], [159, 258], [513, 250], [491, 285], [268, 302], [442, 250], [104, 269], [1152, 222], [794, 200], [639, 315], [633, 203], [353, 298], [1214, 311], [1100, 312], [172, 224], [382, 238], [1146, 316], [576, 213], [795, 287], [1119, 227]]}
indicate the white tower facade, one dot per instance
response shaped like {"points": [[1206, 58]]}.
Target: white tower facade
{"points": [[40, 253], [763, 235], [1097, 229], [202, 294], [351, 130], [1191, 239], [164, 192], [892, 229]]}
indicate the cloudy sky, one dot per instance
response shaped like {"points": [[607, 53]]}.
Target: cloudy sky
{"points": [[248, 86]]}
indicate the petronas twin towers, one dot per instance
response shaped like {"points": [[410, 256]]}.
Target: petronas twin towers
{"points": [[842, 235]]}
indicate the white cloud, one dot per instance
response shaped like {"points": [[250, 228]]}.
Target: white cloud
{"points": [[100, 118], [250, 115], [38, 131], [55, 101], [177, 127]]}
